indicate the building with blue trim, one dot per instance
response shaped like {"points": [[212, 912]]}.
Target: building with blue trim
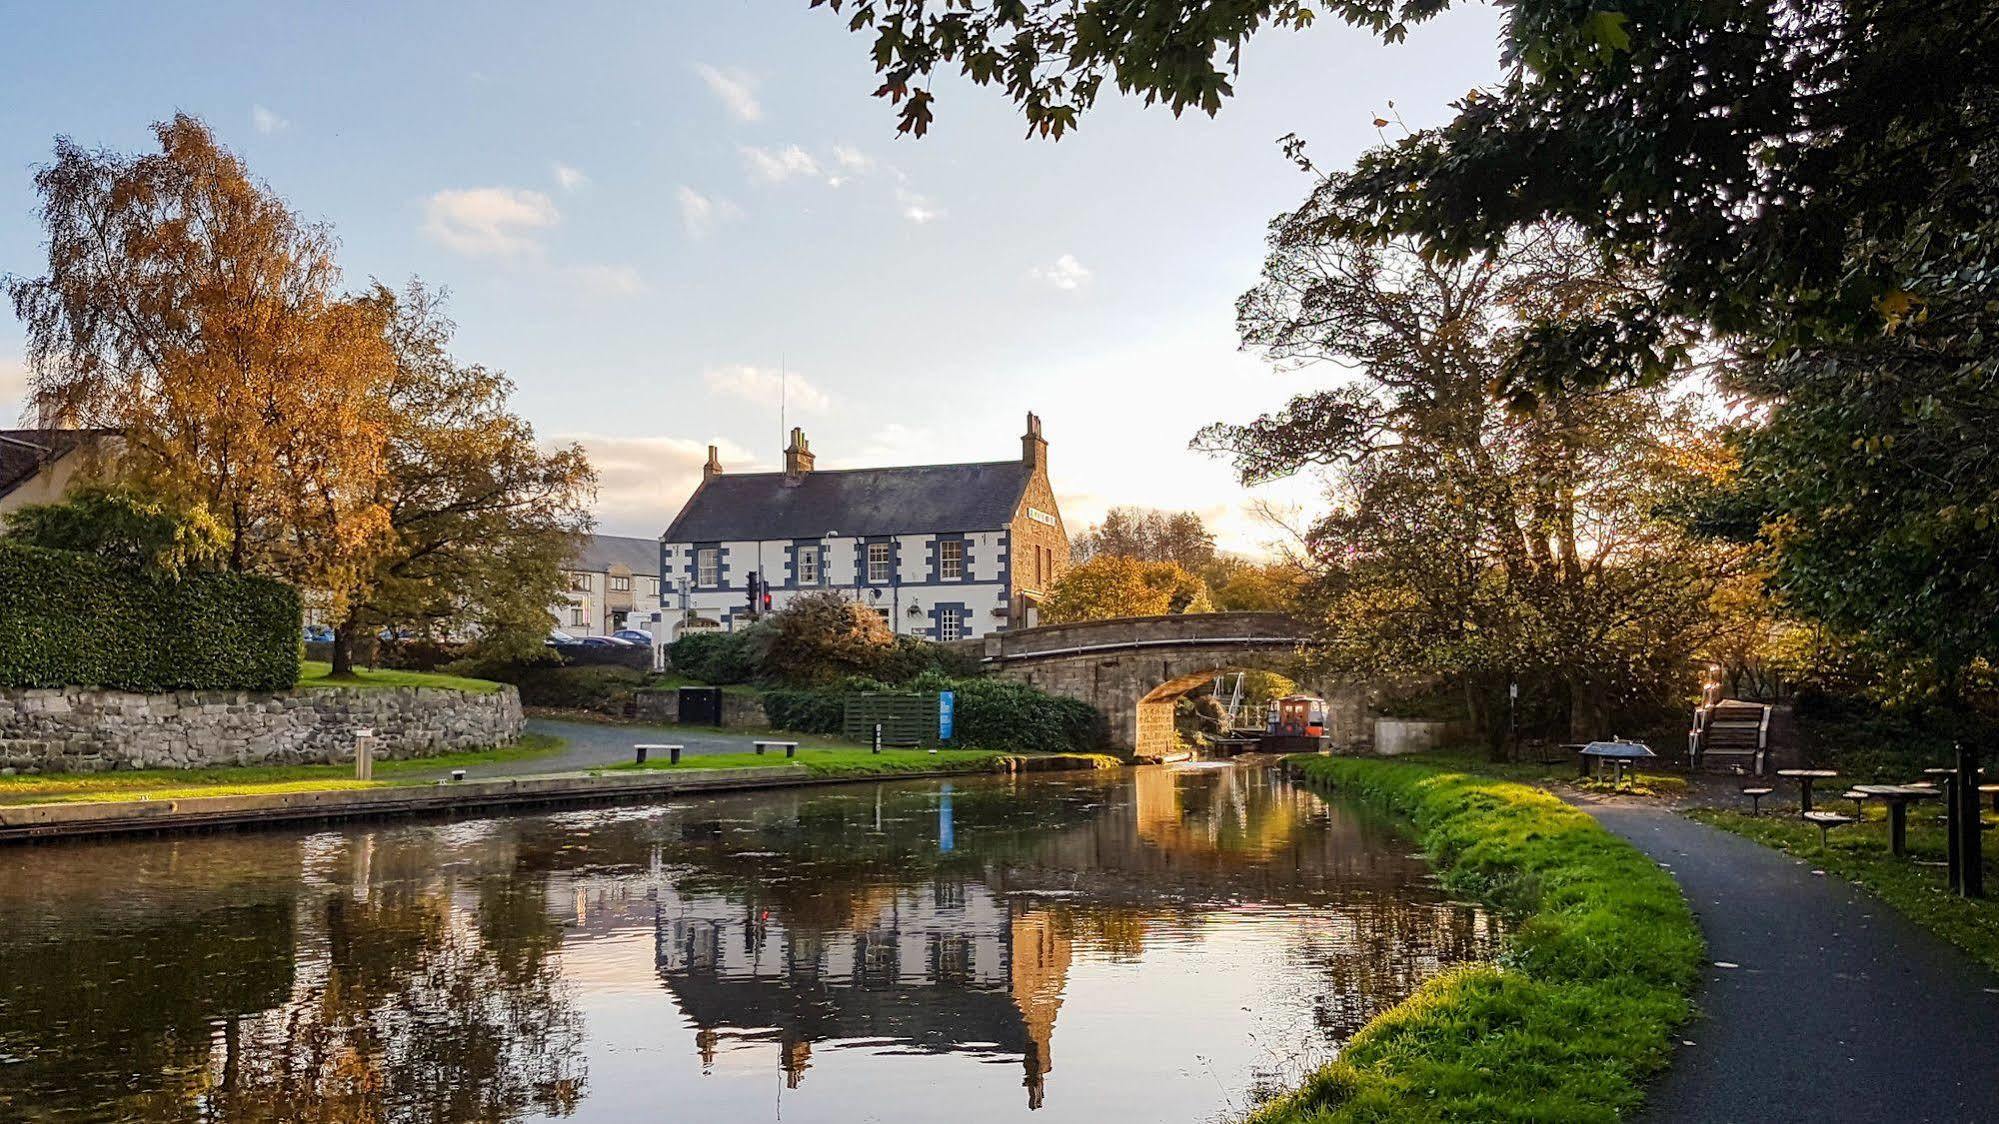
{"points": [[945, 551]]}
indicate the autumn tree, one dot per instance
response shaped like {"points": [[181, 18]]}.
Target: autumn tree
{"points": [[1244, 585], [1148, 535], [824, 637], [481, 518], [1484, 544], [188, 308], [1113, 585]]}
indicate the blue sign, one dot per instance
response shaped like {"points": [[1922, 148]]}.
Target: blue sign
{"points": [[947, 705]]}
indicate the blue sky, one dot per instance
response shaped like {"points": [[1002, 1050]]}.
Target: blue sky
{"points": [[644, 211]]}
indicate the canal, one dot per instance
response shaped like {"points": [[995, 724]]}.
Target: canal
{"points": [[1157, 944]]}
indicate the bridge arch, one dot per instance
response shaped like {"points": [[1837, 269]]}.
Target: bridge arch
{"points": [[1133, 669]]}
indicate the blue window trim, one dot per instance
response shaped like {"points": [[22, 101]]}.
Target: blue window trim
{"points": [[791, 553], [936, 629], [694, 565], [933, 549], [861, 546]]}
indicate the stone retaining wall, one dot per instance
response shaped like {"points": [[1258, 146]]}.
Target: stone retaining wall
{"points": [[82, 729]]}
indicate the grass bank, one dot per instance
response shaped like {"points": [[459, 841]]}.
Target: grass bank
{"points": [[314, 673], [241, 780], [1859, 853], [860, 762], [1598, 970]]}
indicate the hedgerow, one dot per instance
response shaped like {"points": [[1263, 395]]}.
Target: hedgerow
{"points": [[1598, 968], [74, 619]]}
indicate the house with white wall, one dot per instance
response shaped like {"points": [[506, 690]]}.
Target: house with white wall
{"points": [[943, 551], [611, 584]]}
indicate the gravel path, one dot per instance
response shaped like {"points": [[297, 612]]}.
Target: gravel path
{"points": [[1822, 1003]]}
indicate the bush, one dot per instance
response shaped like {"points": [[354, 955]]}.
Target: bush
{"points": [[806, 711], [912, 656], [604, 687], [823, 638], [70, 619], [720, 658], [1004, 715]]}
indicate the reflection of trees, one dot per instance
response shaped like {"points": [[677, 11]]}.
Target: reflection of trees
{"points": [[424, 1011]]}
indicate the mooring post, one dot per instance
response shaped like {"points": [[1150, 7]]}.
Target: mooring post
{"points": [[364, 754]]}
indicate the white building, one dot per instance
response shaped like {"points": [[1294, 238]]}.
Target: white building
{"points": [[946, 551], [613, 583]]}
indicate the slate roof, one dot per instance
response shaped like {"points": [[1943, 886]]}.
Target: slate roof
{"points": [[601, 552], [853, 502], [24, 452]]}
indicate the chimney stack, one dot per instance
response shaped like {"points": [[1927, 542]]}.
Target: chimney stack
{"points": [[713, 468], [797, 457], [1033, 450]]}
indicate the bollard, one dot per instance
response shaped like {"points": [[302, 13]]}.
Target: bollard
{"points": [[364, 754], [878, 737]]}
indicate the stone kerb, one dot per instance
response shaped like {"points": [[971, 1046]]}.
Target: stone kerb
{"points": [[83, 729]]}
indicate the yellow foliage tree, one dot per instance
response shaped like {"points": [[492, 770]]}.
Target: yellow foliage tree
{"points": [[1111, 585]]}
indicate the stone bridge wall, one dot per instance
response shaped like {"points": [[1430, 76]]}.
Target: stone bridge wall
{"points": [[81, 729]]}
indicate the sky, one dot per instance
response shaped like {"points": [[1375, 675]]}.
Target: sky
{"points": [[654, 215]]}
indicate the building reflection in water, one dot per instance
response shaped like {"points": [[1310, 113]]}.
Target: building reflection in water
{"points": [[447, 972]]}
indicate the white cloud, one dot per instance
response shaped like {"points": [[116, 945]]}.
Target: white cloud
{"points": [[642, 481], [606, 280], [736, 88], [701, 214], [266, 121], [489, 221], [1066, 274], [916, 208], [852, 159], [765, 386], [775, 165], [568, 178]]}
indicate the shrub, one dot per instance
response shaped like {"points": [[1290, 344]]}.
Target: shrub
{"points": [[913, 656], [719, 657], [604, 687], [806, 711], [71, 619], [822, 638]]}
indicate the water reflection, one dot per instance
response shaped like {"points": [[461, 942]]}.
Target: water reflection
{"points": [[880, 952]]}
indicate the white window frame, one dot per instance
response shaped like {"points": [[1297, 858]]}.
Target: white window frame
{"points": [[951, 560], [808, 565], [576, 619], [620, 584], [708, 567], [950, 624], [885, 563]]}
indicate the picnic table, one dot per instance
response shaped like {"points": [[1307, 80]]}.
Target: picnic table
{"points": [[1897, 797], [1621, 754], [1806, 778]]}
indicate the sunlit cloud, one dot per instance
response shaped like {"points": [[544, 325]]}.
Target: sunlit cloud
{"points": [[735, 88], [775, 165], [702, 214], [568, 178], [642, 481], [489, 221], [767, 386], [13, 389], [916, 208], [1066, 274], [267, 121]]}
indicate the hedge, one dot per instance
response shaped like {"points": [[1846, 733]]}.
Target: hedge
{"points": [[70, 619], [807, 712]]}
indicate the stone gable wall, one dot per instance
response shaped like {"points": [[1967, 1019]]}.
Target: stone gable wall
{"points": [[82, 729]]}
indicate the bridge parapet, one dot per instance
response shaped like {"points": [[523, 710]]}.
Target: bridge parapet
{"points": [[1191, 629]]}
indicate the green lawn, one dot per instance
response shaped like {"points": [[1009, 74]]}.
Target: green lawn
{"points": [[239, 780], [314, 673], [848, 761], [1859, 853], [1598, 970]]}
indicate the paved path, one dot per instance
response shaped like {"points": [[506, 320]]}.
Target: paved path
{"points": [[1840, 1008], [592, 745]]}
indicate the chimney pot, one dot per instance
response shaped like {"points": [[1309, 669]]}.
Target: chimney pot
{"points": [[714, 466], [1033, 448], [797, 457]]}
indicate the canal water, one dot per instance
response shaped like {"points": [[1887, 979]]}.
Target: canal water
{"points": [[1157, 944]]}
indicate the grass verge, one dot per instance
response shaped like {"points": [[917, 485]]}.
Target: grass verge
{"points": [[241, 780], [314, 673], [849, 762], [1859, 853], [1597, 971]]}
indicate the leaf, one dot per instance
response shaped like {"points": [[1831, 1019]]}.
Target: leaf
{"points": [[1607, 28]]}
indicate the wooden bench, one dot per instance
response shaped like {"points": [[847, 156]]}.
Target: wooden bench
{"points": [[790, 748], [1825, 822]]}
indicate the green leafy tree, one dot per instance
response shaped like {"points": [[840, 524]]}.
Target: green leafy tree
{"points": [[127, 527]]}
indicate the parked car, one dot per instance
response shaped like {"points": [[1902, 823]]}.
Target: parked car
{"points": [[605, 642], [560, 639], [637, 636], [318, 634]]}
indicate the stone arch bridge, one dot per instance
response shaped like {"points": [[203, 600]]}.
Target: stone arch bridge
{"points": [[1135, 668]]}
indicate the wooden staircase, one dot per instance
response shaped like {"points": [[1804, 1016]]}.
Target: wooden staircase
{"points": [[1730, 736]]}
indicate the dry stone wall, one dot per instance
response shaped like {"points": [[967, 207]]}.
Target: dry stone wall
{"points": [[82, 729]]}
